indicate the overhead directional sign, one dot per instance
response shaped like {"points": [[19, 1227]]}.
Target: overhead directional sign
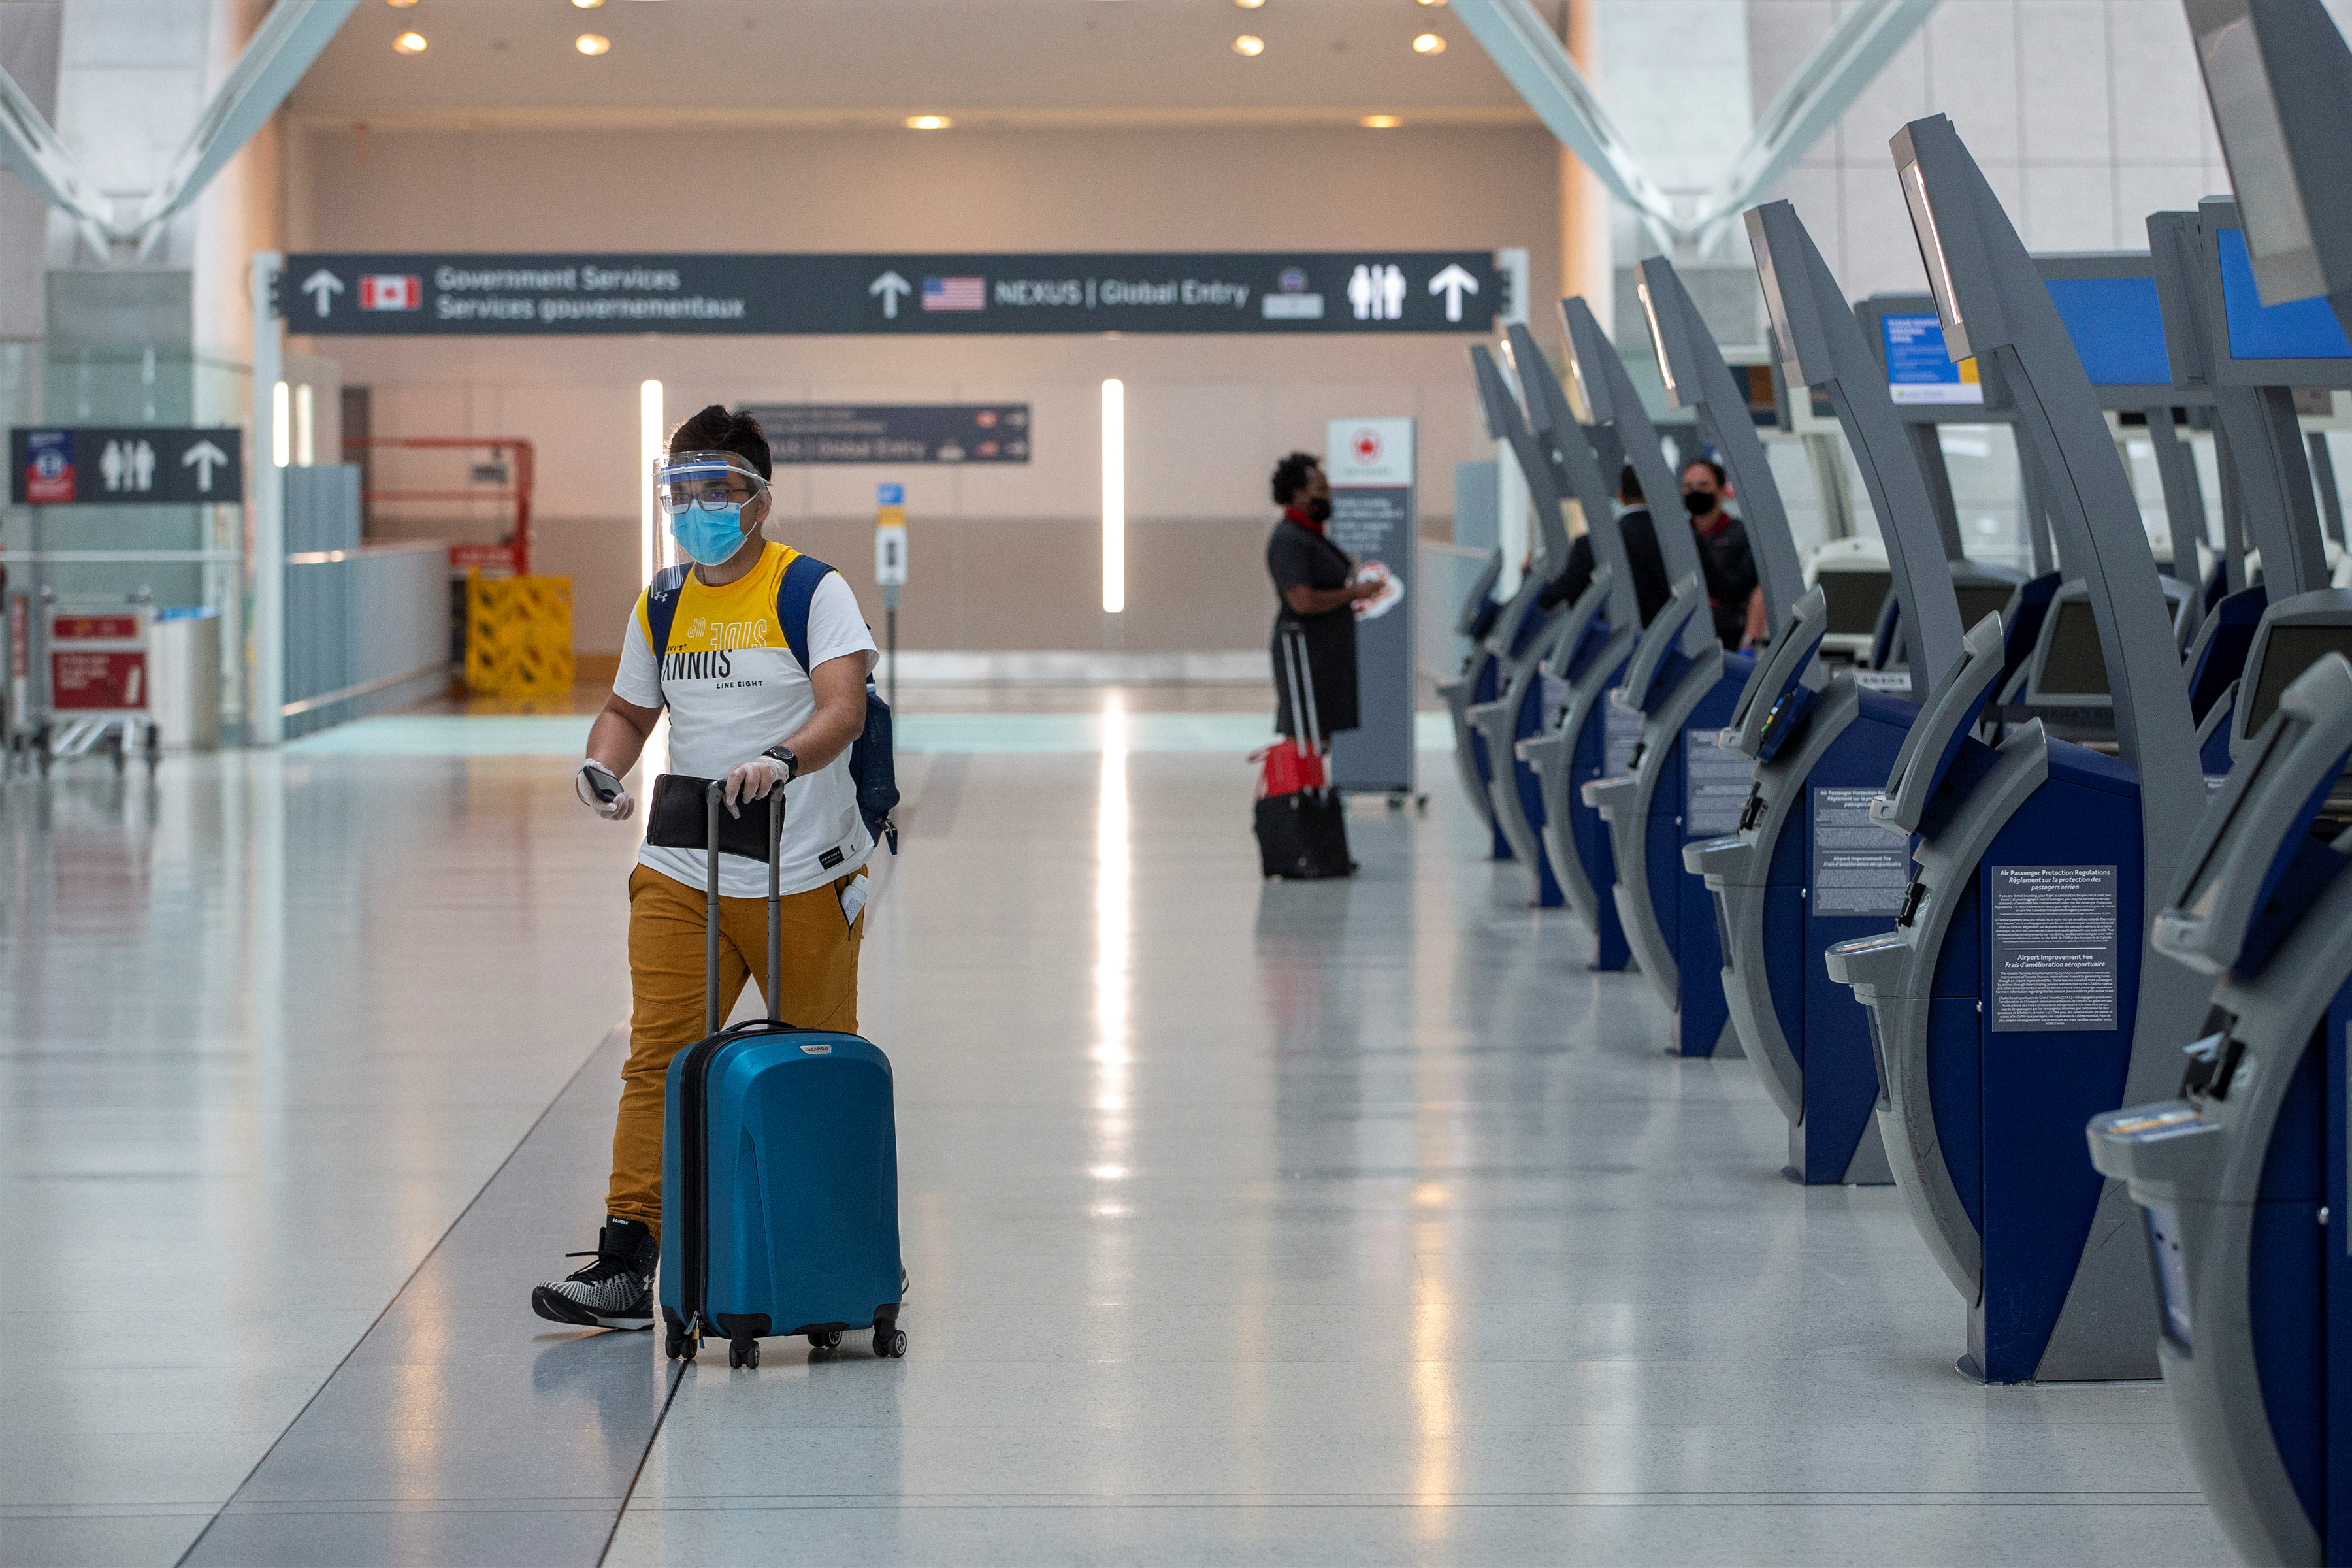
{"points": [[900, 433], [139, 465], [407, 294]]}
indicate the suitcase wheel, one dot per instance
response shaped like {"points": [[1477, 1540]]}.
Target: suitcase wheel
{"points": [[828, 1340], [890, 1342], [743, 1353]]}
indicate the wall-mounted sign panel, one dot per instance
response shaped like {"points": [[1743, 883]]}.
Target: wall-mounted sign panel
{"points": [[896, 433], [139, 465], [421, 295]]}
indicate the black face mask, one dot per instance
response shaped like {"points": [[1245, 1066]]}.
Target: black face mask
{"points": [[1700, 503], [1318, 508]]}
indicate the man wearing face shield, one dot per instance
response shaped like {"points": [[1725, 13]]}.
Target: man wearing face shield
{"points": [[743, 708]]}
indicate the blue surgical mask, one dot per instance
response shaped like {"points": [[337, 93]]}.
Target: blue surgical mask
{"points": [[709, 537]]}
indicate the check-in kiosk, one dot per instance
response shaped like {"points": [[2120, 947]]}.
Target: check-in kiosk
{"points": [[1473, 621], [1503, 691], [2239, 1177], [1807, 868], [2255, 353], [2015, 996], [1684, 785], [1594, 737]]}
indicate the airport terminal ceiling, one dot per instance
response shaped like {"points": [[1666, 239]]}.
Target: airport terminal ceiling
{"points": [[853, 61]]}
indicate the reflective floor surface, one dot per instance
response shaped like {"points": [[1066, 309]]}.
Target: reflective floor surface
{"points": [[1300, 1223]]}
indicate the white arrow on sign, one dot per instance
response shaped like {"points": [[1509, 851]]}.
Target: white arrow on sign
{"points": [[1454, 283], [204, 456], [321, 286], [890, 285]]}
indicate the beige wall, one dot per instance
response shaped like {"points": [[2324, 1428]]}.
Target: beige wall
{"points": [[1004, 557]]}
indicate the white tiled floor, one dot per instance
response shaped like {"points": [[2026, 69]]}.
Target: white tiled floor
{"points": [[1323, 1223]]}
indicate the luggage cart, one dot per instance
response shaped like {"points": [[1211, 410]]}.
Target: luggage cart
{"points": [[97, 688]]}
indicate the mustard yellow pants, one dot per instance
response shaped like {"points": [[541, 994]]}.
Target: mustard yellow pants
{"points": [[666, 975]]}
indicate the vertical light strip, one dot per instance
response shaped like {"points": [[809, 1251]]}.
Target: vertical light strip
{"points": [[306, 451], [649, 451], [281, 427], [1113, 868], [1114, 495]]}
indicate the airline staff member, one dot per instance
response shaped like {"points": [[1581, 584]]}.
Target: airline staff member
{"points": [[1733, 590], [741, 709], [1651, 589], [1312, 592]]}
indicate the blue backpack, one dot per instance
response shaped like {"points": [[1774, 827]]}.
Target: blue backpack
{"points": [[872, 765]]}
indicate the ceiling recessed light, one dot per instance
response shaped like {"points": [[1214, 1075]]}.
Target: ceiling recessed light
{"points": [[592, 42], [1380, 123], [1429, 43], [1249, 5], [1249, 44], [587, 5], [1432, 2], [400, 4], [409, 43], [929, 122]]}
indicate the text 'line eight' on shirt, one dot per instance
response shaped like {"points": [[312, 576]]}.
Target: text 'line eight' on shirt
{"points": [[734, 690]]}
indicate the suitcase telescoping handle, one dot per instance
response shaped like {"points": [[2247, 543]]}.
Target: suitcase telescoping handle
{"points": [[1302, 689], [713, 799]]}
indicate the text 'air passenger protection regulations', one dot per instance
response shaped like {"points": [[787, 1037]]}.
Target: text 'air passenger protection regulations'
{"points": [[2054, 948], [1859, 868], [1715, 780]]}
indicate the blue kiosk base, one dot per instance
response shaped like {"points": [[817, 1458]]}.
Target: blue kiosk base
{"points": [[2019, 1058], [1685, 908]]}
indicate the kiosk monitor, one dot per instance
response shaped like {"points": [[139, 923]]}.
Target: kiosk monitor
{"points": [[2296, 344], [2284, 651]]}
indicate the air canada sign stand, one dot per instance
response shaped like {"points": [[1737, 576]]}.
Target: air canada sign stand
{"points": [[1370, 464]]}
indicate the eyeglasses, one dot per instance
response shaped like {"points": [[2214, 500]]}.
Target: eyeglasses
{"points": [[705, 482], [711, 495]]}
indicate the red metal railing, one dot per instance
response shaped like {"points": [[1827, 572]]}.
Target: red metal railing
{"points": [[511, 555]]}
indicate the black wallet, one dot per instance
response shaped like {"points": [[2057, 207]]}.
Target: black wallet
{"points": [[679, 819]]}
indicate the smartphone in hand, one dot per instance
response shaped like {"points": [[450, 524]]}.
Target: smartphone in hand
{"points": [[605, 787]]}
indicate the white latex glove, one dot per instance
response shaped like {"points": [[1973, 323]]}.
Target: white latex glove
{"points": [[753, 781], [618, 809]]}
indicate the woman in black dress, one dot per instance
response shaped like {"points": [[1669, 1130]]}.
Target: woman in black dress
{"points": [[1310, 583]]}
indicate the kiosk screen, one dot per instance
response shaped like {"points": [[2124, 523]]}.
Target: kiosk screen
{"points": [[1978, 600], [1918, 370], [2076, 665], [1853, 600], [2118, 329], [2306, 329], [2287, 652]]}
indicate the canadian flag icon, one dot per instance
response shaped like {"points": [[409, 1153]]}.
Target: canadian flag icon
{"points": [[391, 291]]}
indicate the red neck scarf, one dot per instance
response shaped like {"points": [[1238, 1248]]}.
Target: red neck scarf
{"points": [[1302, 519]]}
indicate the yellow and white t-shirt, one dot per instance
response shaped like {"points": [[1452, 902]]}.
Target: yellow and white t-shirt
{"points": [[734, 690]]}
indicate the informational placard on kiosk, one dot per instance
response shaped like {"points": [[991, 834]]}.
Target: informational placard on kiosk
{"points": [[1369, 463], [1859, 868], [2054, 948], [1715, 780]]}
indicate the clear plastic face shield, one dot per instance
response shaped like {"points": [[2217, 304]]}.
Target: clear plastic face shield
{"points": [[702, 497]]}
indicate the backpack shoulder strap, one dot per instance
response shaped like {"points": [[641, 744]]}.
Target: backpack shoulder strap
{"points": [[661, 612], [794, 592]]}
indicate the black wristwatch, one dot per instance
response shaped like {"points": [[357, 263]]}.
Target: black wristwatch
{"points": [[784, 754]]}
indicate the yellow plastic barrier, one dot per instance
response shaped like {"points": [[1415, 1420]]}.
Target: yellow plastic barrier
{"points": [[518, 636]]}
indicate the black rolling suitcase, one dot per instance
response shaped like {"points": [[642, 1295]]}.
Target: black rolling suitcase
{"points": [[1302, 834]]}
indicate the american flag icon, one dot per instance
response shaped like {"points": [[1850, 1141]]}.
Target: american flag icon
{"points": [[953, 294]]}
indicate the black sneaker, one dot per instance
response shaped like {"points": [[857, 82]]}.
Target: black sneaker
{"points": [[615, 1290]]}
